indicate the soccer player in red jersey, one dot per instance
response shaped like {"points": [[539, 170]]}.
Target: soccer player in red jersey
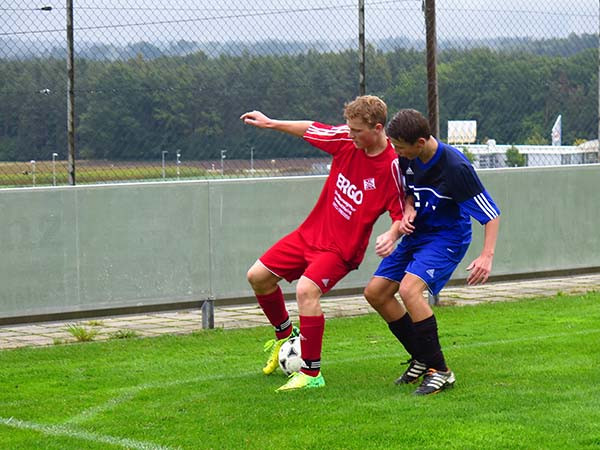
{"points": [[364, 182]]}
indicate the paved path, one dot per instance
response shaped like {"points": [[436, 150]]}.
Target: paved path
{"points": [[241, 316]]}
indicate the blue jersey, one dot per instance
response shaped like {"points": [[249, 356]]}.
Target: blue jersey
{"points": [[447, 191]]}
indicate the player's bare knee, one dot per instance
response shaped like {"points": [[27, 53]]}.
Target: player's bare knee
{"points": [[407, 292], [373, 296], [252, 277], [308, 294], [261, 280]]}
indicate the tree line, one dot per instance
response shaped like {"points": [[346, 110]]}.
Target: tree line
{"points": [[136, 108]]}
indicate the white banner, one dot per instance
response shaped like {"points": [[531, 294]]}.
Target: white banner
{"points": [[557, 131], [462, 131]]}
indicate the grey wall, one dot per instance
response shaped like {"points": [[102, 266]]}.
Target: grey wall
{"points": [[86, 248]]}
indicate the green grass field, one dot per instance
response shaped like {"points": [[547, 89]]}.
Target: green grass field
{"points": [[20, 174], [527, 378]]}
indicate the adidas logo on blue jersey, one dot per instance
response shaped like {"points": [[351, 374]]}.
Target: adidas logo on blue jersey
{"points": [[430, 272]]}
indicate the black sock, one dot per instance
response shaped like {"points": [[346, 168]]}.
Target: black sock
{"points": [[404, 331], [430, 351]]}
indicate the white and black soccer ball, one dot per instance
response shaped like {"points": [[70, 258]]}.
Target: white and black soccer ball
{"points": [[290, 359]]}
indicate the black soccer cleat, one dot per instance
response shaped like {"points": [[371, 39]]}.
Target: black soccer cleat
{"points": [[435, 381], [412, 374]]}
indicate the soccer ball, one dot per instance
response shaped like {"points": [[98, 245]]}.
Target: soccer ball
{"points": [[290, 359]]}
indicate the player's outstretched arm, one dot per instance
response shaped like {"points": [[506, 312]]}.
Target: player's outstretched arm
{"points": [[482, 266], [293, 127]]}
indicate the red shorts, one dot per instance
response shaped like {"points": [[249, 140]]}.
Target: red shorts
{"points": [[291, 258]]}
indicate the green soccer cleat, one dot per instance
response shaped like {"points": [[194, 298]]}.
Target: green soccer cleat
{"points": [[273, 345], [300, 380]]}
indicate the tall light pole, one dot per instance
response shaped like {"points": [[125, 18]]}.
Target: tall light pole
{"points": [[70, 91], [54, 155], [178, 162], [164, 152], [47, 91], [222, 159]]}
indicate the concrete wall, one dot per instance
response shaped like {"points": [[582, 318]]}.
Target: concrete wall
{"points": [[86, 248]]}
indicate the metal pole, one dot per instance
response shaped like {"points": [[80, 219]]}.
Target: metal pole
{"points": [[164, 152], [54, 155], [208, 314], [432, 86], [433, 300], [178, 162], [70, 95], [33, 171], [361, 48]]}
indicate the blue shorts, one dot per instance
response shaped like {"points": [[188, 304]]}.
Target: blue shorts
{"points": [[431, 258]]}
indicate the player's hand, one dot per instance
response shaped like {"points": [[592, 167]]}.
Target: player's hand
{"points": [[384, 244], [480, 270], [256, 118], [406, 226]]}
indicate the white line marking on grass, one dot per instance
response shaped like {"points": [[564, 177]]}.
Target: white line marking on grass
{"points": [[130, 392], [523, 339], [110, 404], [61, 430]]}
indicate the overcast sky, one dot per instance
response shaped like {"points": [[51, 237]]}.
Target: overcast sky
{"points": [[121, 21]]}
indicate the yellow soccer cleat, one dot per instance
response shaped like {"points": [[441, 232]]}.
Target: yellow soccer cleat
{"points": [[273, 345]]}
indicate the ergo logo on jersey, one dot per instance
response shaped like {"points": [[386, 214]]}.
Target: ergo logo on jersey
{"points": [[344, 185]]}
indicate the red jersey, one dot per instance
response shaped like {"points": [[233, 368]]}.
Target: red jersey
{"points": [[358, 190]]}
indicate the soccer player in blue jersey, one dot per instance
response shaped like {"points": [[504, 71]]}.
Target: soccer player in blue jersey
{"points": [[442, 193]]}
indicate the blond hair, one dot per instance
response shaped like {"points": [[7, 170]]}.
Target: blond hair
{"points": [[368, 108]]}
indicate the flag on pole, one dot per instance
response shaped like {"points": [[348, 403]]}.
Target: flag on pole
{"points": [[557, 131]]}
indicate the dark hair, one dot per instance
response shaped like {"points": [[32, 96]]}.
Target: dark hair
{"points": [[408, 125], [368, 108]]}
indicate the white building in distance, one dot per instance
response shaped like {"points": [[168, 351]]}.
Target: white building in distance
{"points": [[492, 155]]}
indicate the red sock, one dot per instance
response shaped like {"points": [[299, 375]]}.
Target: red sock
{"points": [[311, 342], [273, 305]]}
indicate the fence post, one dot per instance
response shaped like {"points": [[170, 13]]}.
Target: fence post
{"points": [[361, 48], [208, 314], [432, 86], [70, 94], [433, 300]]}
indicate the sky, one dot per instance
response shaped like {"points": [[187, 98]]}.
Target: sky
{"points": [[126, 21]]}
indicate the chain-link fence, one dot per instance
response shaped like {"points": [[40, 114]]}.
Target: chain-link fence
{"points": [[159, 86]]}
